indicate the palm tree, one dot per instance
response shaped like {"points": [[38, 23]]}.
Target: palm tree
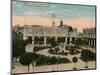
{"points": [[53, 61], [26, 59], [35, 56]]}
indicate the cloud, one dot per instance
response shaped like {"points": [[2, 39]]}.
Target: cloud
{"points": [[17, 3], [46, 10], [28, 13]]}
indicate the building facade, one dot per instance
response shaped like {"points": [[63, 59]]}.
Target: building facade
{"points": [[43, 33], [89, 34]]}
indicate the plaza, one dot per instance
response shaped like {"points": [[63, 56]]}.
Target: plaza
{"points": [[80, 65], [52, 37], [41, 37]]}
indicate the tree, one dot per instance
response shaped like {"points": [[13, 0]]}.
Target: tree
{"points": [[42, 60], [60, 39], [29, 40], [36, 40], [85, 43], [38, 48], [35, 49], [68, 40], [73, 40], [74, 59], [87, 55], [73, 50], [48, 40], [17, 34], [53, 42], [18, 47], [70, 29], [57, 50], [26, 59], [41, 40], [14, 34], [50, 50], [78, 42]]}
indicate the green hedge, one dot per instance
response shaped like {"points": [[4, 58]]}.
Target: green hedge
{"points": [[47, 60], [87, 55], [38, 48], [56, 51]]}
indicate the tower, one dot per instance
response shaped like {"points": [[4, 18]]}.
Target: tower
{"points": [[61, 23]]}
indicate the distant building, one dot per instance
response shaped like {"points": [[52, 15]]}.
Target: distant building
{"points": [[89, 34], [18, 30], [45, 32]]}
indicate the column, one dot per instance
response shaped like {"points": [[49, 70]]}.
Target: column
{"points": [[56, 38], [33, 40], [70, 40], [94, 43], [89, 42], [66, 40], [44, 39]]}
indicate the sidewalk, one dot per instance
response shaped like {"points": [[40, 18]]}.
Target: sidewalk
{"points": [[48, 68], [61, 67]]}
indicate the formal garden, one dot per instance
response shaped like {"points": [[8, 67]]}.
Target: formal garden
{"points": [[27, 58]]}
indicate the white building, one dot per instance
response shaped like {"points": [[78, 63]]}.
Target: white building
{"points": [[45, 32]]}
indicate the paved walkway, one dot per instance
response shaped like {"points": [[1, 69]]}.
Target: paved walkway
{"points": [[61, 67]]}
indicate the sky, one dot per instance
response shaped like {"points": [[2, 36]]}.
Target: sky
{"points": [[36, 13]]}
